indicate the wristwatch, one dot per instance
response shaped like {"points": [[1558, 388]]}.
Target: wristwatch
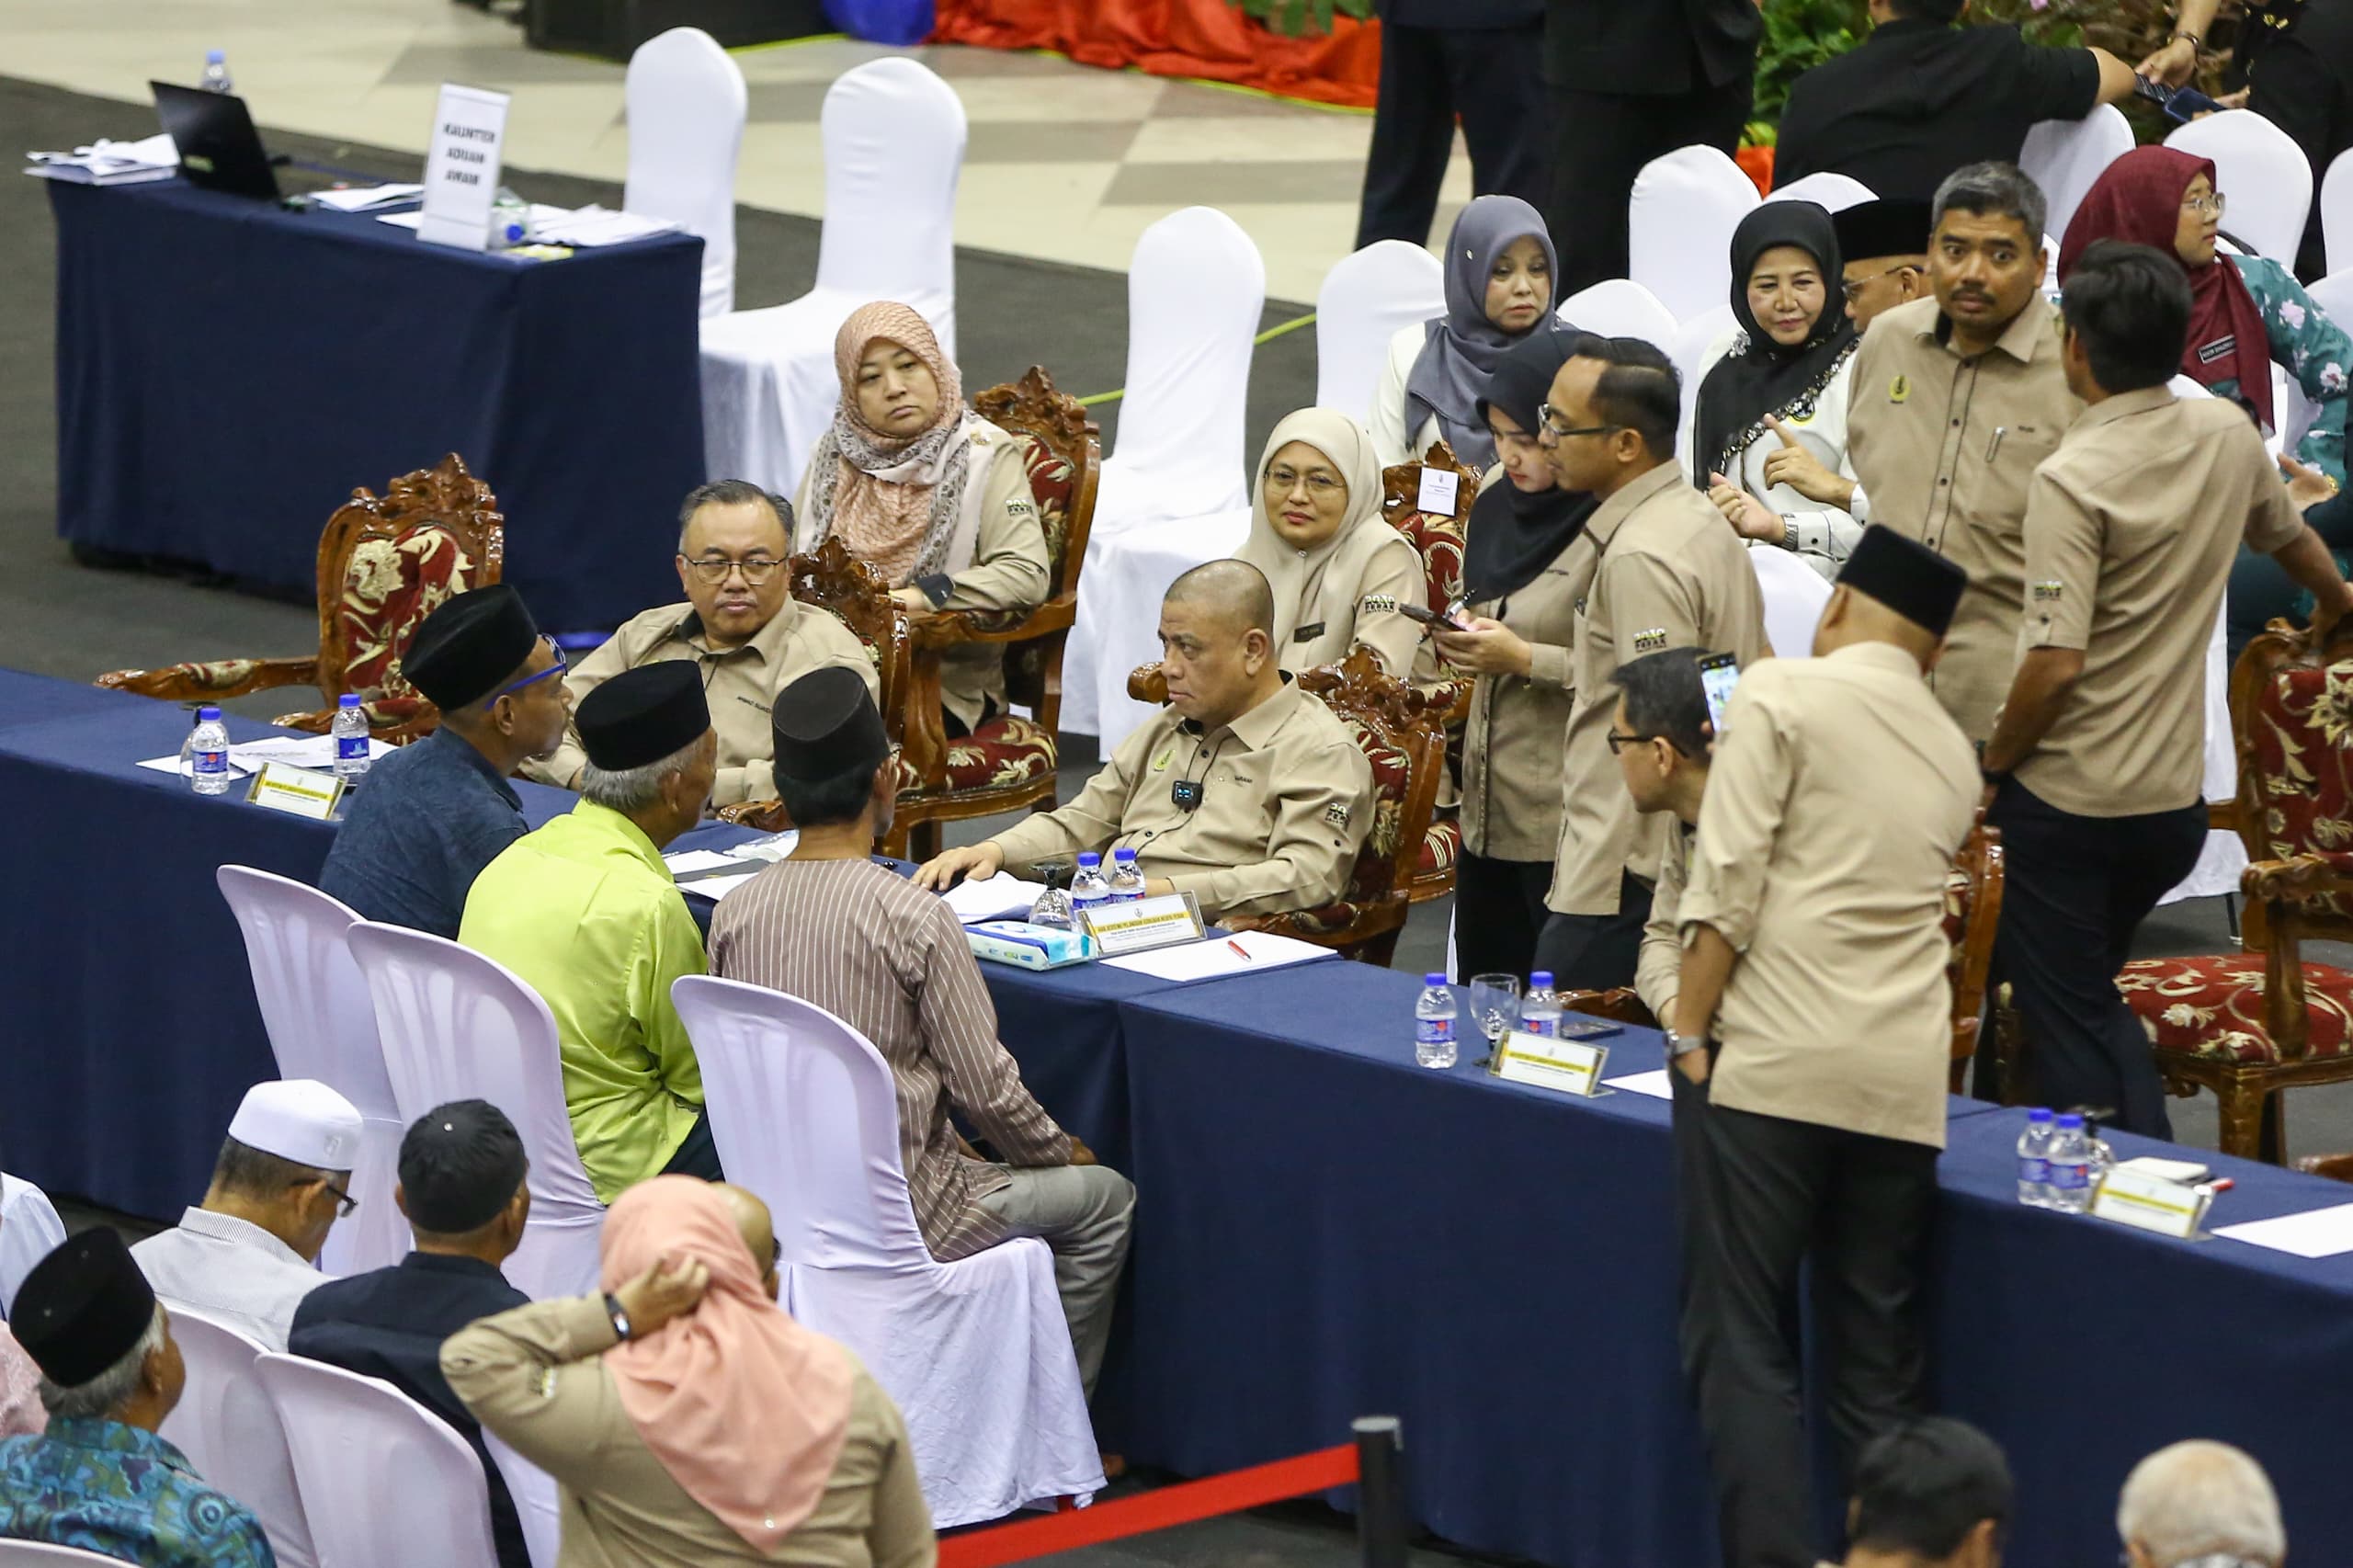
{"points": [[620, 1318], [1789, 533], [1680, 1045]]}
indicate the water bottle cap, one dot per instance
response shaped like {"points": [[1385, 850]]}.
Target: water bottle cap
{"points": [[1122, 856], [207, 714], [2038, 1114], [1433, 980], [348, 700], [1541, 978], [1088, 858], [213, 57], [2071, 1122]]}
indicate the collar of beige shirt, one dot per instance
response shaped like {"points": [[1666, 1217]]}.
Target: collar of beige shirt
{"points": [[1256, 727], [1881, 655], [1613, 513], [767, 643], [2121, 405], [2020, 340]]}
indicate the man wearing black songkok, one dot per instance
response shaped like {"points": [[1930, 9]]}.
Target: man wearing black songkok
{"points": [[1811, 1035]]}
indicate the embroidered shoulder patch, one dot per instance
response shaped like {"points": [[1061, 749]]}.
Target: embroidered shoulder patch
{"points": [[1378, 604], [2050, 590], [1336, 813], [1019, 509], [1650, 641], [1899, 389]]}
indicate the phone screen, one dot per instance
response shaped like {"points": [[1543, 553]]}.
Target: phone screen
{"points": [[1718, 673]]}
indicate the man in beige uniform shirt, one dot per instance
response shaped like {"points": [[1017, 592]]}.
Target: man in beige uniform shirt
{"points": [[740, 623], [1244, 791], [1811, 1033], [1663, 738], [1955, 400], [1671, 575], [2096, 772]]}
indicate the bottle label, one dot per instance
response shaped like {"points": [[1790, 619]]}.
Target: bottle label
{"points": [[1543, 1029], [2032, 1169], [351, 748], [2070, 1175], [1433, 1031], [211, 761]]}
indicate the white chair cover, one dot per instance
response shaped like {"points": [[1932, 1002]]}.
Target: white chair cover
{"points": [[39, 1555], [894, 149], [388, 1482], [1368, 298], [1690, 351], [2336, 214], [459, 1026], [1829, 189], [536, 1506], [1678, 228], [229, 1431], [322, 1026], [1620, 307], [686, 104], [976, 1353], [1195, 288], [2064, 156], [29, 1230], [2263, 174], [1794, 594]]}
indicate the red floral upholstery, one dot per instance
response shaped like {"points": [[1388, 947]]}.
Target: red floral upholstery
{"points": [[2304, 750], [389, 586], [1441, 847], [1438, 541], [1374, 871], [1003, 751], [2212, 1007]]}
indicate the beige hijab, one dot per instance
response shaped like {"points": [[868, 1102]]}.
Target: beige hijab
{"points": [[895, 502], [1299, 576]]}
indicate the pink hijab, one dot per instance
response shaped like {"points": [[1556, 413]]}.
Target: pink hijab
{"points": [[894, 500], [744, 1408]]}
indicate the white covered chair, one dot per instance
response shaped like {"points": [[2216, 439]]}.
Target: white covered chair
{"points": [[322, 1026], [533, 1493], [976, 1353], [29, 1230], [1679, 224], [1367, 299], [1174, 490], [686, 104], [457, 1026], [1620, 307], [1689, 352], [893, 138], [226, 1425], [388, 1482], [1794, 596], [41, 1554], [2225, 856], [1826, 188], [2337, 212], [2263, 175], [2064, 156]]}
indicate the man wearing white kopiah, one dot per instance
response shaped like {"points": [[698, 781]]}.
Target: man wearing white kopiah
{"points": [[246, 1255]]}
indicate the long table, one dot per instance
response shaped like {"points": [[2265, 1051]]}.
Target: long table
{"points": [[1323, 1229], [227, 370]]}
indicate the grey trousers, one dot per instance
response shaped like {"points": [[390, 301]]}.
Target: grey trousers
{"points": [[1084, 1214]]}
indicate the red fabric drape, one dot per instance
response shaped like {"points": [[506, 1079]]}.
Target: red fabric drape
{"points": [[1208, 39]]}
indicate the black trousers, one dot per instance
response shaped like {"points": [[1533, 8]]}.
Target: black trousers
{"points": [[1595, 952], [1757, 1196], [699, 1156], [1600, 142], [2078, 888], [1498, 913], [1494, 78]]}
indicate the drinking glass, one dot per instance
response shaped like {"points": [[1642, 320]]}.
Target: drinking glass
{"points": [[1495, 1003]]}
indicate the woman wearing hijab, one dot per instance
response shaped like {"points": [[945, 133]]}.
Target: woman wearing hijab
{"points": [[1773, 407], [1338, 571], [1499, 270], [1525, 564], [2248, 313], [927, 492], [687, 1420]]}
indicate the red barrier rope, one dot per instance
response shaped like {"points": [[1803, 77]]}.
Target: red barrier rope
{"points": [[1182, 1505]]}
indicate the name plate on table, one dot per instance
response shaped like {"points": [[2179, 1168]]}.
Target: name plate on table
{"points": [[1569, 1066], [285, 788], [2152, 1203], [461, 167], [1145, 924]]}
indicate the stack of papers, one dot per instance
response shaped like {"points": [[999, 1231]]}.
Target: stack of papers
{"points": [[1003, 897], [1244, 952], [111, 163], [594, 225], [2317, 1232], [368, 197]]}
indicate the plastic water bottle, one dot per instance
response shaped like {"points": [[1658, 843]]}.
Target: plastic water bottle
{"points": [[1539, 1010], [216, 73], [510, 219], [1052, 907], [350, 738], [1127, 883], [2070, 1166], [1087, 888], [2034, 1160], [208, 753], [1434, 1015]]}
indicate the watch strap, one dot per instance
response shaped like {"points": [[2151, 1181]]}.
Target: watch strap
{"points": [[619, 1318]]}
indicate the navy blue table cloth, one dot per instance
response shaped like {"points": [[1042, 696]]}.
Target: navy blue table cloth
{"points": [[228, 371], [28, 699]]}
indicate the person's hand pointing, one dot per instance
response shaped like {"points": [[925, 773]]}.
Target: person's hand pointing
{"points": [[2307, 486], [1796, 467]]}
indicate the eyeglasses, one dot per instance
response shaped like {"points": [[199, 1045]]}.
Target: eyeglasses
{"points": [[1545, 416], [1854, 291], [1619, 742], [2205, 206], [557, 668], [347, 1202], [714, 569], [1319, 485]]}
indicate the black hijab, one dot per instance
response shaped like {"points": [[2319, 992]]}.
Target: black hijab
{"points": [[1513, 534], [1760, 377]]}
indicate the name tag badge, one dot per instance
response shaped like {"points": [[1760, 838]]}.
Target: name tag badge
{"points": [[2221, 348], [1308, 633], [2152, 1203], [1438, 490], [282, 787], [1146, 923], [1564, 1066]]}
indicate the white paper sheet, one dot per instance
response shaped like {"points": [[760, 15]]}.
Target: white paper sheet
{"points": [[774, 848], [717, 888], [1652, 1083], [686, 862], [361, 198], [1215, 957], [316, 752], [172, 765], [1003, 897], [2317, 1232]]}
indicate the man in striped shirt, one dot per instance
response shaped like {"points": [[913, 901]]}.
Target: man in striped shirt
{"points": [[834, 928]]}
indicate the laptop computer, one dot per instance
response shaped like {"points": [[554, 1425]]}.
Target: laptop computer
{"points": [[219, 147]]}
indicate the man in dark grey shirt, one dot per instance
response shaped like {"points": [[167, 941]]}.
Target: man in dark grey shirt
{"points": [[432, 815]]}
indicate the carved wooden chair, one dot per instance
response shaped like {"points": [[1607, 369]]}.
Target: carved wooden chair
{"points": [[1437, 537], [1397, 725], [384, 564], [2249, 1024]]}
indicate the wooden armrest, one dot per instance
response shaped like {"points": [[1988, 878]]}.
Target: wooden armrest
{"points": [[213, 679], [1148, 683], [769, 816], [947, 628], [1620, 1004], [2223, 816], [2315, 875]]}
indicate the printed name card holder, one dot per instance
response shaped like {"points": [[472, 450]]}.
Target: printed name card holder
{"points": [[1564, 1066], [1144, 924], [461, 167], [282, 787], [2152, 1203]]}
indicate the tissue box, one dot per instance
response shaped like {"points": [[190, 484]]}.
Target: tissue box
{"points": [[1019, 942]]}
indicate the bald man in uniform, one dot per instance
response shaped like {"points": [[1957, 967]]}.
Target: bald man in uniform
{"points": [[1237, 747]]}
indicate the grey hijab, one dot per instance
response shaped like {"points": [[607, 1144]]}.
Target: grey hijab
{"points": [[1461, 348]]}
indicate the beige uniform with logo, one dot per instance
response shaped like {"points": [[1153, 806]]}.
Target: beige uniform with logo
{"points": [[1353, 598], [1285, 799], [1944, 446], [1511, 742]]}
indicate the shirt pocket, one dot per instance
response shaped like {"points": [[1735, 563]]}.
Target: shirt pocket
{"points": [[2019, 452]]}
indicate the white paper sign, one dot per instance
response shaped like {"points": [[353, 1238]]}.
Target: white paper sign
{"points": [[2151, 1202], [285, 788], [1440, 488], [461, 168], [1571, 1066]]}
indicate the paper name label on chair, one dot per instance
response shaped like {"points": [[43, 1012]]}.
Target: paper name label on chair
{"points": [[2149, 1202], [1441, 489], [461, 167], [285, 788], [1569, 1066], [1146, 922]]}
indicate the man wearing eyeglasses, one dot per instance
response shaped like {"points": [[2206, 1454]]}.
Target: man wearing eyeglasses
{"points": [[740, 624], [245, 1257]]}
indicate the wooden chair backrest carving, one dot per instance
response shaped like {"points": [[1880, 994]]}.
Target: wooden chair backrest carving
{"points": [[829, 577], [1972, 918], [1065, 472], [1398, 727], [1437, 537], [385, 563], [2292, 724]]}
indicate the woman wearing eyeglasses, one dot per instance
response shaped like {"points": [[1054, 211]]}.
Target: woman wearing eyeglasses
{"points": [[929, 493]]}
